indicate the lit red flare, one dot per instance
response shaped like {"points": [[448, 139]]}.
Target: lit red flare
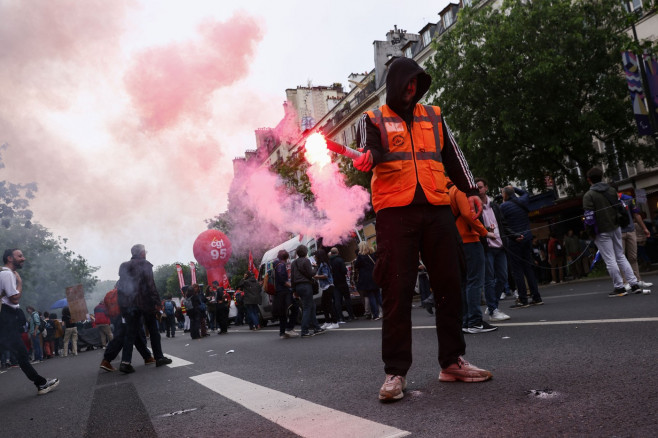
{"points": [[316, 143]]}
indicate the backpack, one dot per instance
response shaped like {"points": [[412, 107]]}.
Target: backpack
{"points": [[50, 330], [169, 308], [42, 323], [188, 304], [623, 217], [112, 304], [268, 282]]}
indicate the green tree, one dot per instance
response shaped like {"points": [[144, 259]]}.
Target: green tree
{"points": [[525, 89], [50, 267], [166, 278]]}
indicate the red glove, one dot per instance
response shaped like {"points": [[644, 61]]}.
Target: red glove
{"points": [[364, 162]]}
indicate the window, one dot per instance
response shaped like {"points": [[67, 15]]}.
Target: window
{"points": [[408, 53], [427, 38], [466, 3], [632, 5], [447, 19]]}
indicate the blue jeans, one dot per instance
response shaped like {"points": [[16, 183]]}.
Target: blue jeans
{"points": [[252, 315], [305, 292], [522, 264], [495, 277], [472, 290], [36, 346]]}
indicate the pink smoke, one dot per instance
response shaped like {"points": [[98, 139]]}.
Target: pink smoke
{"points": [[266, 211], [177, 81]]}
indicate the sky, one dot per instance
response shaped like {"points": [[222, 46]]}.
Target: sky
{"points": [[128, 114]]}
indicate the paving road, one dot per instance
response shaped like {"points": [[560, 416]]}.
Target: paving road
{"points": [[583, 364]]}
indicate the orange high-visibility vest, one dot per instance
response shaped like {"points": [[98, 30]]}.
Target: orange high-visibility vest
{"points": [[409, 157]]}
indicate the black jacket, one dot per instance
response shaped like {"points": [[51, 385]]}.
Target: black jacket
{"points": [[136, 287], [338, 270]]}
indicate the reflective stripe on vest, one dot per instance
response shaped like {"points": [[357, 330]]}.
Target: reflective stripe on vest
{"points": [[410, 156]]}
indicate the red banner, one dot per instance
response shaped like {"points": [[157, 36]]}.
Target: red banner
{"points": [[252, 267], [193, 271], [181, 281], [225, 284]]}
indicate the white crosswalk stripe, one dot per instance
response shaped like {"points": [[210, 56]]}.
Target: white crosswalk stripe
{"points": [[305, 418], [177, 362]]}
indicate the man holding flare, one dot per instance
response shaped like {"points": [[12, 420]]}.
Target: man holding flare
{"points": [[409, 147]]}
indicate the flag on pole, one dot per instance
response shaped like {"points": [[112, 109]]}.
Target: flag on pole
{"points": [[634, 81], [252, 267], [181, 281], [193, 271], [225, 284]]}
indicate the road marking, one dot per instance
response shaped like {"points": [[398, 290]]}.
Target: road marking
{"points": [[576, 321], [302, 417], [520, 324], [178, 362]]}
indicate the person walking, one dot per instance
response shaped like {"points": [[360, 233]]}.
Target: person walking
{"points": [[103, 323], [603, 217], [12, 319], [139, 300], [341, 288], [408, 146]]}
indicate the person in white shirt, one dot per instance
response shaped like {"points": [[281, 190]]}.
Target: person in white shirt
{"points": [[12, 318], [496, 260]]}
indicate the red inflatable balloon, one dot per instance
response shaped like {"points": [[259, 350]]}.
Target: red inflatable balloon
{"points": [[212, 250]]}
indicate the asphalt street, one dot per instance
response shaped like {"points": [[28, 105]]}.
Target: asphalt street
{"points": [[583, 364]]}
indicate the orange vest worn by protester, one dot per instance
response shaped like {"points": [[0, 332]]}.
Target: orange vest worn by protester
{"points": [[408, 158]]}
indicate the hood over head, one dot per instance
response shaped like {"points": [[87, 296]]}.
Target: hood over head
{"points": [[400, 72]]}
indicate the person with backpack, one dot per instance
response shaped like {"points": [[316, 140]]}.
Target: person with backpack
{"points": [[170, 316], [103, 323], [115, 345], [70, 332], [603, 217], [139, 301], [35, 333]]}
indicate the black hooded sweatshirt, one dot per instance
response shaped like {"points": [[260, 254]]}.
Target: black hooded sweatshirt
{"points": [[400, 72]]}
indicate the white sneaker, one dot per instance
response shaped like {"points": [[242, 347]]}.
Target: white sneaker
{"points": [[292, 334], [516, 294], [497, 315], [486, 311], [333, 326], [325, 326], [644, 284], [503, 296]]}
